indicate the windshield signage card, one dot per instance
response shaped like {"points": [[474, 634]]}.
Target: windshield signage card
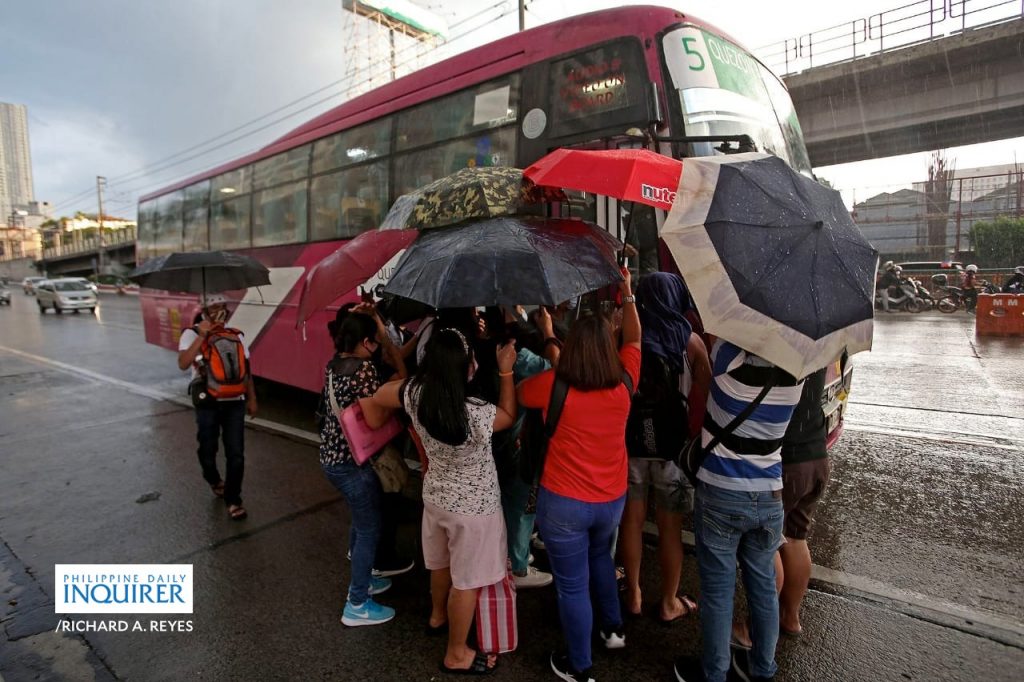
{"points": [[698, 59]]}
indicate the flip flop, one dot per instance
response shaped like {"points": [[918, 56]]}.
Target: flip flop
{"points": [[690, 607], [237, 512], [791, 633], [477, 667], [218, 489]]}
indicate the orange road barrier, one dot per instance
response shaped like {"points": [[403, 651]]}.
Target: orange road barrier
{"points": [[999, 315]]}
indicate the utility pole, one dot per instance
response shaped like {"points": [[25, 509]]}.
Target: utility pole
{"points": [[522, 15], [100, 183]]}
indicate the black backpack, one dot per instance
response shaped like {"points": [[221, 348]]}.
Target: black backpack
{"points": [[658, 423]]}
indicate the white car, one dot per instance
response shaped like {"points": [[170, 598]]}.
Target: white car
{"points": [[28, 285], [65, 294], [86, 282]]}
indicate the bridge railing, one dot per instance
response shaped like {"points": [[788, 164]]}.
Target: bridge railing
{"points": [[72, 247], [903, 26]]}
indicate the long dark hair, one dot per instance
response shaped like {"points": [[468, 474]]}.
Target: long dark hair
{"points": [[441, 379], [354, 329], [590, 360]]}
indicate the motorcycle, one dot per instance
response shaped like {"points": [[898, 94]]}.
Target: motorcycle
{"points": [[928, 302], [905, 298], [953, 298]]}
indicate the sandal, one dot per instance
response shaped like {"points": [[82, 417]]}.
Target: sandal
{"points": [[237, 512], [440, 630], [690, 607], [477, 667], [218, 489]]}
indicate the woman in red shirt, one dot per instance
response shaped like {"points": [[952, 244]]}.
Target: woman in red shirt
{"points": [[583, 485]]}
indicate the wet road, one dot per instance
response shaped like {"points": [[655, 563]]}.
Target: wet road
{"points": [[918, 544]]}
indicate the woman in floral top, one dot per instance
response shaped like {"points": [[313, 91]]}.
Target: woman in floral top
{"points": [[351, 375], [463, 525]]}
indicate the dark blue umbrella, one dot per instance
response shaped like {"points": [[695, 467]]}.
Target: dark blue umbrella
{"points": [[506, 261], [201, 272], [775, 263]]}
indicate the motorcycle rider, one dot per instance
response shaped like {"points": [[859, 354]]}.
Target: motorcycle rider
{"points": [[969, 284], [890, 278], [1015, 285]]}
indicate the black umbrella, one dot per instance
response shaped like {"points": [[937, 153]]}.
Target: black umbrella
{"points": [[201, 272], [773, 260], [506, 261]]}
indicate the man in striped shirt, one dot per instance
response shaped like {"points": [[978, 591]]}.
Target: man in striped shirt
{"points": [[738, 512]]}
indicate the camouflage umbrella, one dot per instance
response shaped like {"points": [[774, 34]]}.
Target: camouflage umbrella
{"points": [[488, 192]]}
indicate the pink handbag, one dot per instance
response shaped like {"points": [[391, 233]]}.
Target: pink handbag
{"points": [[497, 629], [363, 441]]}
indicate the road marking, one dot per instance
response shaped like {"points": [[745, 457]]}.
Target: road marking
{"points": [[980, 440], [966, 617], [156, 394]]}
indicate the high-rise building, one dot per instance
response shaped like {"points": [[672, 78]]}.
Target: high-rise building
{"points": [[15, 159]]}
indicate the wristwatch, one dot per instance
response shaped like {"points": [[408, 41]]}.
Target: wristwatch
{"points": [[629, 299]]}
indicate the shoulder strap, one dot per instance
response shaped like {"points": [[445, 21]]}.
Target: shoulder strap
{"points": [[330, 395], [628, 380], [742, 416], [559, 391]]}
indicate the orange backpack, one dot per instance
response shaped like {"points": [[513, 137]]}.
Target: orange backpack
{"points": [[224, 363]]}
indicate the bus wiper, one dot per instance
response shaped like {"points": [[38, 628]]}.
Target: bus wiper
{"points": [[744, 143]]}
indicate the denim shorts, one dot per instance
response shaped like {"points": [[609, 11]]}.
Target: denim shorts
{"points": [[671, 489]]}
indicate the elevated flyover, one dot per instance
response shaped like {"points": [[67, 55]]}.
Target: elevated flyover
{"points": [[941, 91]]}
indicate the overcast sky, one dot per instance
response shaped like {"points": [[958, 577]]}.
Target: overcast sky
{"points": [[113, 86]]}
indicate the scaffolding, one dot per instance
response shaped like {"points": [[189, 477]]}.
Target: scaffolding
{"points": [[383, 41]]}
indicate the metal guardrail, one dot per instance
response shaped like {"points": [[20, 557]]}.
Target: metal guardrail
{"points": [[112, 238], [904, 26]]}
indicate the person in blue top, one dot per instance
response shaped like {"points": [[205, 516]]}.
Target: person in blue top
{"points": [[738, 511]]}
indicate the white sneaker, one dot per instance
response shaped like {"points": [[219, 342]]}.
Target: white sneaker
{"points": [[529, 559], [533, 578], [616, 639], [537, 543]]}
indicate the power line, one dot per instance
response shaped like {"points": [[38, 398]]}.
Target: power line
{"points": [[166, 163], [152, 168]]}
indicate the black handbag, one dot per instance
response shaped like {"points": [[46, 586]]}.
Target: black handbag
{"points": [[197, 391]]}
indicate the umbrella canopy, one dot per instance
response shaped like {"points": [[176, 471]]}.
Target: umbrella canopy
{"points": [[506, 261], [467, 193], [348, 267], [629, 174], [201, 272], [773, 260]]}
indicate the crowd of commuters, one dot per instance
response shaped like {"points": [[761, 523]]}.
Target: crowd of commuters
{"points": [[568, 424]]}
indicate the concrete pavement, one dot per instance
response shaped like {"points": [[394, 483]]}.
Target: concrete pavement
{"points": [[926, 529]]}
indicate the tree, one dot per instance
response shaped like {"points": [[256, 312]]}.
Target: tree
{"points": [[999, 243], [936, 195]]}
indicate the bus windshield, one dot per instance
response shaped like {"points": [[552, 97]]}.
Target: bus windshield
{"points": [[722, 90]]}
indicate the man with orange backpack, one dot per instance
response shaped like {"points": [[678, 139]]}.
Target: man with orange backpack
{"points": [[222, 392]]}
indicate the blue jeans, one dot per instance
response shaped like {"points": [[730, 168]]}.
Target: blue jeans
{"points": [[515, 493], [578, 536], [746, 526], [361, 488], [225, 419]]}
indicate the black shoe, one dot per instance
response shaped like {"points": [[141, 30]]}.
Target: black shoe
{"points": [[740, 668], [560, 664], [688, 669], [392, 567]]}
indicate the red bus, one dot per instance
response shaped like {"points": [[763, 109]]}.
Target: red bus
{"points": [[630, 76]]}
